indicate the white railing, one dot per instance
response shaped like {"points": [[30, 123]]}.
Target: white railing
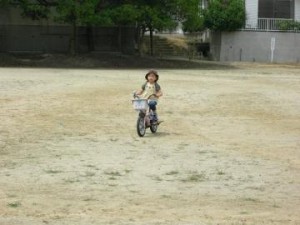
{"points": [[272, 24]]}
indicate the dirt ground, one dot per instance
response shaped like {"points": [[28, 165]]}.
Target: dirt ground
{"points": [[228, 151]]}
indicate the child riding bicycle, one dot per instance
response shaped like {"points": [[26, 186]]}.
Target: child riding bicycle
{"points": [[151, 90]]}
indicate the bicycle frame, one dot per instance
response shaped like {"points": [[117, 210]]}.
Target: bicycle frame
{"points": [[144, 118], [146, 115]]}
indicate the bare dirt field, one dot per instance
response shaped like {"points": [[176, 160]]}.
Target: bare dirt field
{"points": [[228, 151]]}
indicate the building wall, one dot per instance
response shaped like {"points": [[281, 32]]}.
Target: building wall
{"points": [[251, 13], [297, 10], [215, 45], [256, 46]]}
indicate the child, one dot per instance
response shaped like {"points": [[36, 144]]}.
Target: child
{"points": [[151, 90]]}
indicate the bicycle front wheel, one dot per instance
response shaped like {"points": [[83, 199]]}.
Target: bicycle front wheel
{"points": [[153, 128], [140, 126]]}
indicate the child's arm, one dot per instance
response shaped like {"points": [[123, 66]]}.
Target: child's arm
{"points": [[139, 92], [159, 94]]}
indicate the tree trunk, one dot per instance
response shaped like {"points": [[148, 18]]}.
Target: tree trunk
{"points": [[151, 41], [140, 38], [120, 38], [73, 38]]}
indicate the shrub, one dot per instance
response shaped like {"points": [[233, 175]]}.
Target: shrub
{"points": [[225, 15], [288, 25]]}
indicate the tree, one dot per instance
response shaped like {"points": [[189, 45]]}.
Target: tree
{"points": [[158, 15], [191, 15], [72, 12], [145, 15], [4, 3], [33, 9], [225, 15], [77, 12], [154, 17]]}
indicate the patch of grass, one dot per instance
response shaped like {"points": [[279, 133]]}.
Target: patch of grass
{"points": [[14, 204], [89, 174], [275, 205], [182, 146], [127, 171], [89, 199], [251, 199], [195, 177], [113, 139], [257, 188], [220, 172], [178, 42], [166, 196], [113, 173], [157, 178], [90, 166], [174, 172], [71, 181], [52, 171], [202, 152]]}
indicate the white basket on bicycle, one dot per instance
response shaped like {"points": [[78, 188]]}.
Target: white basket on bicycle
{"points": [[140, 104]]}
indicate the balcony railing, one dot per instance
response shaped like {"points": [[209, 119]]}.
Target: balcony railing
{"points": [[272, 24]]}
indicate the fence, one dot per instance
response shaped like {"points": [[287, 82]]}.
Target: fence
{"points": [[273, 24], [55, 39]]}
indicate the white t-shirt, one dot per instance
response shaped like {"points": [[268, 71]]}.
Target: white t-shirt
{"points": [[149, 90]]}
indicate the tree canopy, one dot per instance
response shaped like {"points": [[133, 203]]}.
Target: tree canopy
{"points": [[145, 15], [156, 14], [225, 15]]}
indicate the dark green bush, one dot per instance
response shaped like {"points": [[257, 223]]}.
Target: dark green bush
{"points": [[288, 25], [225, 15]]}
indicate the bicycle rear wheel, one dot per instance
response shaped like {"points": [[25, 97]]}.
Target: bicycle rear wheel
{"points": [[140, 126]]}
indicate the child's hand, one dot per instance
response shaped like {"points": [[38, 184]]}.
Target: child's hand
{"points": [[158, 94], [134, 94]]}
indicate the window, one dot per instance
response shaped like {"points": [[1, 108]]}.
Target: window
{"points": [[276, 9]]}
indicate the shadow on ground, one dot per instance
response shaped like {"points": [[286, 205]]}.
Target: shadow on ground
{"points": [[104, 60]]}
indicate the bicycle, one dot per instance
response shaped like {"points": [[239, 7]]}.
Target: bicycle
{"points": [[146, 116]]}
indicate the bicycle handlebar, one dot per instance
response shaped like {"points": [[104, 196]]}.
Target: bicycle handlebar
{"points": [[138, 97]]}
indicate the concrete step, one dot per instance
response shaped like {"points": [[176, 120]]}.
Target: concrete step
{"points": [[161, 46]]}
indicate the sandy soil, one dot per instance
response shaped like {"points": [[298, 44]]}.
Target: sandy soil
{"points": [[227, 153]]}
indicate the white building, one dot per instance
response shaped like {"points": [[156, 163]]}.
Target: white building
{"points": [[265, 14], [263, 38]]}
